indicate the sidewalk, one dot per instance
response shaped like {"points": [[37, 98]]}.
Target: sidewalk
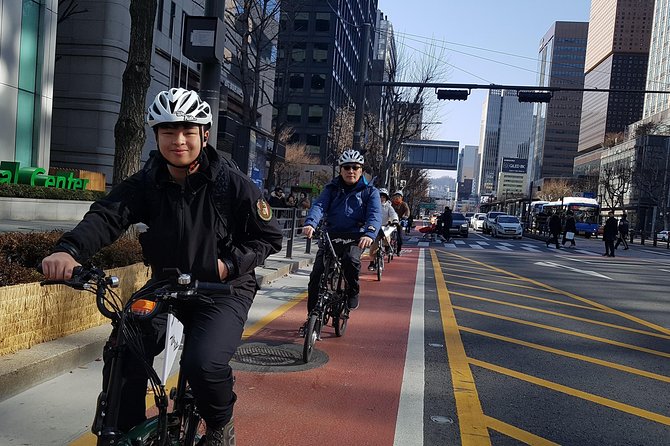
{"points": [[27, 368]]}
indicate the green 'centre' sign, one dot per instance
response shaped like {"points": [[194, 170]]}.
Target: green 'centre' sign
{"points": [[11, 172]]}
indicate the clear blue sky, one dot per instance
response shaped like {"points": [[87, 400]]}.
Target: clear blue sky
{"points": [[486, 41]]}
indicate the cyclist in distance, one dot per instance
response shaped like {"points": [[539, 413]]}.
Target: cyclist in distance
{"points": [[352, 209], [402, 210], [204, 217], [389, 217]]}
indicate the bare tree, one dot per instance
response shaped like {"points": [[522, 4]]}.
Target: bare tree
{"points": [[615, 181], [403, 110], [289, 170], [555, 189], [651, 178], [129, 131]]}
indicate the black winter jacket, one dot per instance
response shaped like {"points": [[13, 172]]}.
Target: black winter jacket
{"points": [[184, 230]]}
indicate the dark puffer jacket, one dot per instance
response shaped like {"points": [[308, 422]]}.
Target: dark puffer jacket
{"points": [[184, 230]]}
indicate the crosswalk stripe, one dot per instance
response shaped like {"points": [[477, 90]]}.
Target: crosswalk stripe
{"points": [[449, 245], [581, 251], [529, 249], [423, 244], [477, 247], [459, 242], [504, 248], [482, 243]]}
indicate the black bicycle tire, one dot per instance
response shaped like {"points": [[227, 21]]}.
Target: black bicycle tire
{"points": [[311, 333], [340, 322]]}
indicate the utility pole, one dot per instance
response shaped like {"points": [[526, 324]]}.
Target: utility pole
{"points": [[210, 71], [360, 93]]}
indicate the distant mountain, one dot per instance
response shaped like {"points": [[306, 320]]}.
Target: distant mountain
{"points": [[444, 182]]}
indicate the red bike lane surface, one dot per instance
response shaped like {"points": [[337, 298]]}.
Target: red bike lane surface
{"points": [[352, 399]]}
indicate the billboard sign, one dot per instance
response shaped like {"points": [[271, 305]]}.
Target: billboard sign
{"points": [[514, 165]]}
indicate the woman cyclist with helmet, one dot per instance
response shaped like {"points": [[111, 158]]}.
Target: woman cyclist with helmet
{"points": [[352, 209], [390, 221], [174, 195]]}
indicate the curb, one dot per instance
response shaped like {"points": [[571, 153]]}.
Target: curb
{"points": [[27, 368]]}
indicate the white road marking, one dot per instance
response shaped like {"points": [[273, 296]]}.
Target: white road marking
{"points": [[476, 247], [581, 271], [530, 249], [423, 244], [504, 248], [459, 242], [409, 422], [482, 243]]}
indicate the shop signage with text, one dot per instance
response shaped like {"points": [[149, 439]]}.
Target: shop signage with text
{"points": [[12, 172]]}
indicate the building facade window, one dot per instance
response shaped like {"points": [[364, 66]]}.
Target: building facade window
{"points": [[322, 23], [297, 82], [318, 84], [293, 113], [298, 52], [320, 53], [315, 114], [301, 22]]}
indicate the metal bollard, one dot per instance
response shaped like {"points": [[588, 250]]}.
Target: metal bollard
{"points": [[291, 237]]}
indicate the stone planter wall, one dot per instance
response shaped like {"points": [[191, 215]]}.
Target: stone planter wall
{"points": [[31, 314], [26, 209]]}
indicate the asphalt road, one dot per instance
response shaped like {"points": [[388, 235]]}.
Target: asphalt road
{"points": [[475, 342]]}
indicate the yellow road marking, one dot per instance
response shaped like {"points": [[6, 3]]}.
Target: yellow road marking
{"points": [[89, 439], [482, 272], [258, 326], [528, 296], [515, 285], [567, 316], [576, 297], [470, 416], [642, 413], [568, 354], [564, 331], [518, 434]]}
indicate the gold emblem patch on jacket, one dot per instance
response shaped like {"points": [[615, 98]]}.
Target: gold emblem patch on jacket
{"points": [[264, 210]]}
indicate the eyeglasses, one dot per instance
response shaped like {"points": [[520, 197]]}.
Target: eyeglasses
{"points": [[351, 167]]}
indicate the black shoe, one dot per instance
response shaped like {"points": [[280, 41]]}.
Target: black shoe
{"points": [[625, 249], [222, 436], [606, 255], [352, 302]]}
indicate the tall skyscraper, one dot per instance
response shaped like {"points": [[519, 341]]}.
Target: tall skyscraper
{"points": [[465, 174], [616, 58], [658, 73], [556, 128], [384, 61], [506, 132], [318, 62]]}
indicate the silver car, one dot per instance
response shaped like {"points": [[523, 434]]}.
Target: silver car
{"points": [[507, 226]]}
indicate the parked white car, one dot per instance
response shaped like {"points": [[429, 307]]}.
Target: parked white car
{"points": [[663, 236], [507, 226]]}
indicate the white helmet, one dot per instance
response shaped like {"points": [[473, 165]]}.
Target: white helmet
{"points": [[178, 105], [384, 191], [398, 192], [350, 157]]}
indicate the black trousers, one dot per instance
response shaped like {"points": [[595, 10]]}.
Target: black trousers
{"points": [[351, 267], [553, 238], [620, 240], [213, 333], [609, 247]]}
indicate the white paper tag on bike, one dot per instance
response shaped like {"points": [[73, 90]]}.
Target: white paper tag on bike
{"points": [[173, 335]]}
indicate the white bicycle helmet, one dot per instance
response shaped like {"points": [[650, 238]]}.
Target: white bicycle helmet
{"points": [[350, 157], [384, 191], [178, 105], [398, 192]]}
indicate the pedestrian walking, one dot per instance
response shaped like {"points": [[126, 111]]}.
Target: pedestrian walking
{"points": [[624, 227], [444, 222], [610, 234], [554, 229], [570, 229]]}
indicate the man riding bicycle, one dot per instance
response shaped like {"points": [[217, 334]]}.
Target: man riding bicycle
{"points": [[352, 209], [402, 209], [204, 217], [390, 220]]}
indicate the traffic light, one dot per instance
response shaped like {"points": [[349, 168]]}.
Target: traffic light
{"points": [[453, 95], [533, 96]]}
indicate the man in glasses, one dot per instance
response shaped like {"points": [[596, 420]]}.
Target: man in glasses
{"points": [[351, 209]]}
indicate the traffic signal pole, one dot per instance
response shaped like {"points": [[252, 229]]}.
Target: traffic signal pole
{"points": [[210, 75]]}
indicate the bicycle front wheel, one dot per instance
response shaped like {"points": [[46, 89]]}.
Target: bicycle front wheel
{"points": [[340, 322], [311, 334]]}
